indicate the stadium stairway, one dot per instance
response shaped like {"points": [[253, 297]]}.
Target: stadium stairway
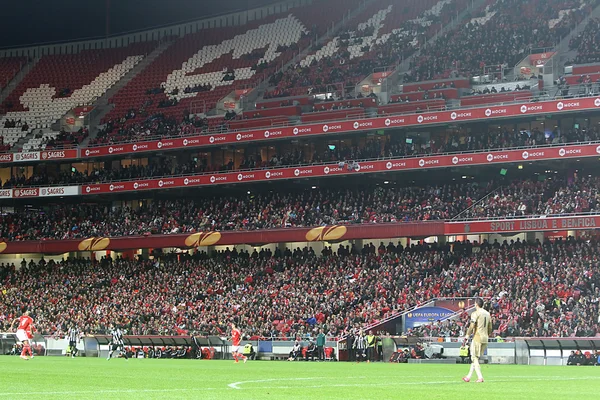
{"points": [[102, 107]]}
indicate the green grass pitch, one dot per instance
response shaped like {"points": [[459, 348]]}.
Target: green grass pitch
{"points": [[93, 378]]}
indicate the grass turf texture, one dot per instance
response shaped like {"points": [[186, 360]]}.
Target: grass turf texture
{"points": [[93, 378]]}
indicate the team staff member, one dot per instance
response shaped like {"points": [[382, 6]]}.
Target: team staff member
{"points": [[481, 327], [371, 342], [321, 345]]}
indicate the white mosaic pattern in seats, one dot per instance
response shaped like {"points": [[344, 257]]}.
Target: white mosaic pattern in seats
{"points": [[282, 32], [43, 109]]}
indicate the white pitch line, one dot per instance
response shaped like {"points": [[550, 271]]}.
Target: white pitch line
{"points": [[452, 382], [110, 391], [235, 385]]}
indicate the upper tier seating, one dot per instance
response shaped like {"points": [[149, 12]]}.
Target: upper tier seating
{"points": [[190, 74], [586, 44], [502, 34], [9, 67], [59, 83], [381, 35]]}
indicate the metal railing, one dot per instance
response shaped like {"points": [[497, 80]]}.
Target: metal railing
{"points": [[301, 165]]}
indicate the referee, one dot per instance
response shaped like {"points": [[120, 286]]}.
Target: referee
{"points": [[74, 335]]}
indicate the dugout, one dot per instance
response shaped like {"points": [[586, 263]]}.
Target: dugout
{"points": [[552, 351]]}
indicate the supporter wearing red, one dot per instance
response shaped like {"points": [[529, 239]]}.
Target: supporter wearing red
{"points": [[537, 289]]}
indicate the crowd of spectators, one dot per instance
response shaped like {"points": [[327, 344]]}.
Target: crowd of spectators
{"points": [[549, 289], [533, 289], [579, 194], [503, 40], [310, 207]]}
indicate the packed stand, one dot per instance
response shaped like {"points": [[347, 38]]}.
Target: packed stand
{"points": [[586, 43], [548, 290], [536, 290], [500, 35], [311, 207], [382, 36], [260, 211], [576, 194]]}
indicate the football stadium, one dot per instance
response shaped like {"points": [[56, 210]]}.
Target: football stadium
{"points": [[300, 199]]}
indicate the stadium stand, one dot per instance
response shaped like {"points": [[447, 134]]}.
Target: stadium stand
{"points": [[439, 141], [501, 34], [380, 36], [535, 288], [307, 291], [200, 69], [586, 44], [58, 83], [306, 208], [9, 67]]}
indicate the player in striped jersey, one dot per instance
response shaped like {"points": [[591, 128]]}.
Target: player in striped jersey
{"points": [[116, 342], [74, 335]]}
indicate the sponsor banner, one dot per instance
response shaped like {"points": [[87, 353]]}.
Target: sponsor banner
{"points": [[6, 157], [6, 193], [523, 225], [26, 192], [440, 117], [27, 157], [53, 191], [403, 164], [49, 155], [82, 111], [425, 315], [322, 233], [378, 77], [540, 58]]}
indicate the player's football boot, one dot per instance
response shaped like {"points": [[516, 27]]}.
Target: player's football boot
{"points": [[466, 379], [479, 380]]}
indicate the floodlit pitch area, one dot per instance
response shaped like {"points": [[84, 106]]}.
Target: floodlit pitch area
{"points": [[92, 378]]}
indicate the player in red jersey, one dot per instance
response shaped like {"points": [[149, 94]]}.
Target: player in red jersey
{"points": [[24, 333], [236, 338]]}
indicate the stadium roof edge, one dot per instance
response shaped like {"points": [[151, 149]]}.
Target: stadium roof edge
{"points": [[121, 39]]}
